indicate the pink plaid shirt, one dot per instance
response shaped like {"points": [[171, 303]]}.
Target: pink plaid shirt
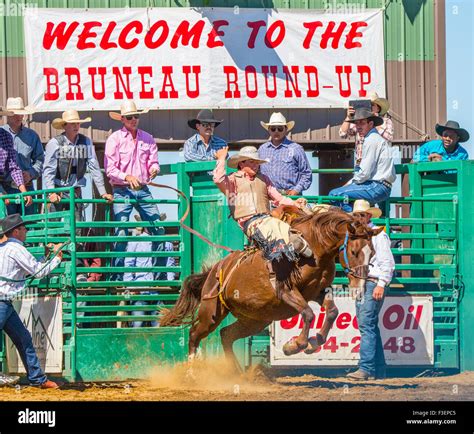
{"points": [[127, 156]]}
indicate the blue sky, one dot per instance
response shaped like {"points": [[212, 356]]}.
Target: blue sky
{"points": [[459, 65]]}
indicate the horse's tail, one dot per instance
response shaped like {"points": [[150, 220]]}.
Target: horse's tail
{"points": [[188, 301]]}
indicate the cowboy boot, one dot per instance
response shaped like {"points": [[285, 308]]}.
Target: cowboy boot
{"points": [[300, 245]]}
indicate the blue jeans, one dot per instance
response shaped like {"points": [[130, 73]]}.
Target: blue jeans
{"points": [[13, 326], [153, 323], [371, 191], [15, 208], [371, 349], [147, 211]]}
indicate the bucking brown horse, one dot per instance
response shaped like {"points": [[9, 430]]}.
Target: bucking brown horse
{"points": [[240, 284]]}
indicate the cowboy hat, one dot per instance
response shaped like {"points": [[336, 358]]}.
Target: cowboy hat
{"points": [[277, 119], [246, 153], [127, 108], [362, 113], [381, 102], [453, 125], [205, 115], [68, 117], [361, 205], [17, 107], [4, 112], [10, 222]]}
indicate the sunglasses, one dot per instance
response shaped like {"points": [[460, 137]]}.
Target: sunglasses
{"points": [[129, 118], [279, 129], [207, 124]]}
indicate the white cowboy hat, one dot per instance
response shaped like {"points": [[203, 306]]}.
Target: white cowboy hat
{"points": [[381, 102], [246, 153], [17, 107], [127, 108], [361, 205], [68, 117], [277, 119]]}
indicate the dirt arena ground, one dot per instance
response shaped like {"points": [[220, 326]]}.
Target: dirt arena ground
{"points": [[216, 382]]}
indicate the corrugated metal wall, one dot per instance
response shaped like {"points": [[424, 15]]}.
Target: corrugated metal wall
{"points": [[415, 68]]}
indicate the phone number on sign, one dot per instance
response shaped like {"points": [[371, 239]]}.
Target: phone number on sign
{"points": [[393, 344]]}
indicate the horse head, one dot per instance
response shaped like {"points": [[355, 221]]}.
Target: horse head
{"points": [[356, 251]]}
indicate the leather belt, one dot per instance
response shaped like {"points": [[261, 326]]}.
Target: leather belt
{"points": [[386, 183]]}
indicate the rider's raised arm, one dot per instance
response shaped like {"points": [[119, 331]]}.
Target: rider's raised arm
{"points": [[223, 182]]}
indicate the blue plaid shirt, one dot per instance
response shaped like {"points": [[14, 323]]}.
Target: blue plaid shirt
{"points": [[195, 150], [288, 167]]}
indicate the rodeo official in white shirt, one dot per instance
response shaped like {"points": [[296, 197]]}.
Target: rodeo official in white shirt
{"points": [[16, 263], [368, 305]]}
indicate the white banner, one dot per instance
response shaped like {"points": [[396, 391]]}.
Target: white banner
{"points": [[43, 317], [406, 328], [183, 58]]}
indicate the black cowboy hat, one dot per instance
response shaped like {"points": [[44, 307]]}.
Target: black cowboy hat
{"points": [[453, 125], [362, 113], [11, 222], [205, 115]]}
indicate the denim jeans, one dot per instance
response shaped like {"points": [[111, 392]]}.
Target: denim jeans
{"points": [[64, 206], [371, 350], [153, 323], [15, 208], [371, 191], [147, 211], [13, 326]]}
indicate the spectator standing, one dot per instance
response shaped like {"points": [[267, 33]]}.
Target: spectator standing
{"points": [[288, 167], [29, 151], [67, 157], [203, 145]]}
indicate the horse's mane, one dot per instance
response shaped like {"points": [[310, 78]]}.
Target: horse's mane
{"points": [[326, 227]]}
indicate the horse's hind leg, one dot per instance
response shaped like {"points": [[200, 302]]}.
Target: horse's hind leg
{"points": [[294, 299], [331, 315], [239, 330]]}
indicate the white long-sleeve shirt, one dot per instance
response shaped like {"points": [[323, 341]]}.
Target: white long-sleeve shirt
{"points": [[17, 263], [376, 162], [382, 264]]}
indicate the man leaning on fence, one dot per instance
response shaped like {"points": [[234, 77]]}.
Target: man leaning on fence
{"points": [[16, 263], [288, 167], [8, 165], [131, 162], [67, 157], [29, 151]]}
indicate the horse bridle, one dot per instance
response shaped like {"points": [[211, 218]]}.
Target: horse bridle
{"points": [[364, 273]]}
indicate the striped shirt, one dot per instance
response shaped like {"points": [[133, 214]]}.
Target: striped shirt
{"points": [[16, 263], [30, 152], [196, 150], [288, 167], [8, 165]]}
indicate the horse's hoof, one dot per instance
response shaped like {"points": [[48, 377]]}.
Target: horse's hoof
{"points": [[314, 344], [292, 347]]}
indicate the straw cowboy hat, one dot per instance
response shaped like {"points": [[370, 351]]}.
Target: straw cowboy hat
{"points": [[362, 113], [361, 205], [453, 125], [68, 117], [381, 102], [246, 153], [205, 115], [128, 108], [17, 107], [277, 120]]}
